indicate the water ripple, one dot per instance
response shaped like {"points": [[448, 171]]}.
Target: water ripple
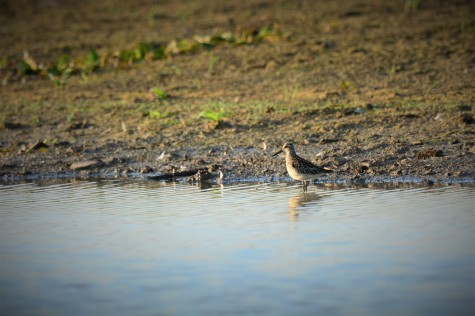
{"points": [[181, 248]]}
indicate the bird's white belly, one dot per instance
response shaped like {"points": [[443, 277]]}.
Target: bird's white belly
{"points": [[299, 176]]}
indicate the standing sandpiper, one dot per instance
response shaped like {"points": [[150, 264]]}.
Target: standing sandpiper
{"points": [[299, 168]]}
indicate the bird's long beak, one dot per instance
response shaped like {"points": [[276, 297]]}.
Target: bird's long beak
{"points": [[277, 153]]}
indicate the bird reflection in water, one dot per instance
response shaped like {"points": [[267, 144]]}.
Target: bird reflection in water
{"points": [[299, 201]]}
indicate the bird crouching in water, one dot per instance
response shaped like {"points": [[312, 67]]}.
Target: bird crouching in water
{"points": [[299, 168]]}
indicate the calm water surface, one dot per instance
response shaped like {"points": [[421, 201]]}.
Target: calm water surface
{"points": [[149, 248]]}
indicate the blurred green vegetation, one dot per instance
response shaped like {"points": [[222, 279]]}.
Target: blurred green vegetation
{"points": [[66, 65]]}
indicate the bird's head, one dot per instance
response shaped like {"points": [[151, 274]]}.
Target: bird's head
{"points": [[287, 148]]}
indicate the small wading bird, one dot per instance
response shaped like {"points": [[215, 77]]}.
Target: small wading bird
{"points": [[299, 168]]}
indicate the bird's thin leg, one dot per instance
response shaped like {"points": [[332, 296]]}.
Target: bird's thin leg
{"points": [[304, 186]]}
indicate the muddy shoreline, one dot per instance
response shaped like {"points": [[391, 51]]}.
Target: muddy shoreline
{"points": [[227, 165]]}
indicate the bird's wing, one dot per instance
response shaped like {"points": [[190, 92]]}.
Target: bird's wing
{"points": [[312, 166]]}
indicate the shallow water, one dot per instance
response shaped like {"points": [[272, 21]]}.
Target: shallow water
{"points": [[152, 248]]}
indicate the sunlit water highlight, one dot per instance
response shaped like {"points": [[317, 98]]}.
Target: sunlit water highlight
{"points": [[151, 248]]}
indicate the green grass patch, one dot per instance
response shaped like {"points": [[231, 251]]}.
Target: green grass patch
{"points": [[159, 93], [66, 65], [215, 112]]}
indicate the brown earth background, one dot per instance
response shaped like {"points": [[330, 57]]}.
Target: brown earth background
{"points": [[371, 89]]}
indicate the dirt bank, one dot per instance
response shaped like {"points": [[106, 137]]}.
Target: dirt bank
{"points": [[367, 88]]}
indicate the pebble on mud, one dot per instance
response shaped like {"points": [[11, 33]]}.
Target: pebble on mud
{"points": [[429, 182], [427, 153], [36, 146], [467, 119], [78, 125], [201, 175], [146, 169], [12, 125], [88, 164]]}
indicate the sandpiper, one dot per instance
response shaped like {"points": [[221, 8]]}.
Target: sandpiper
{"points": [[298, 168]]}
